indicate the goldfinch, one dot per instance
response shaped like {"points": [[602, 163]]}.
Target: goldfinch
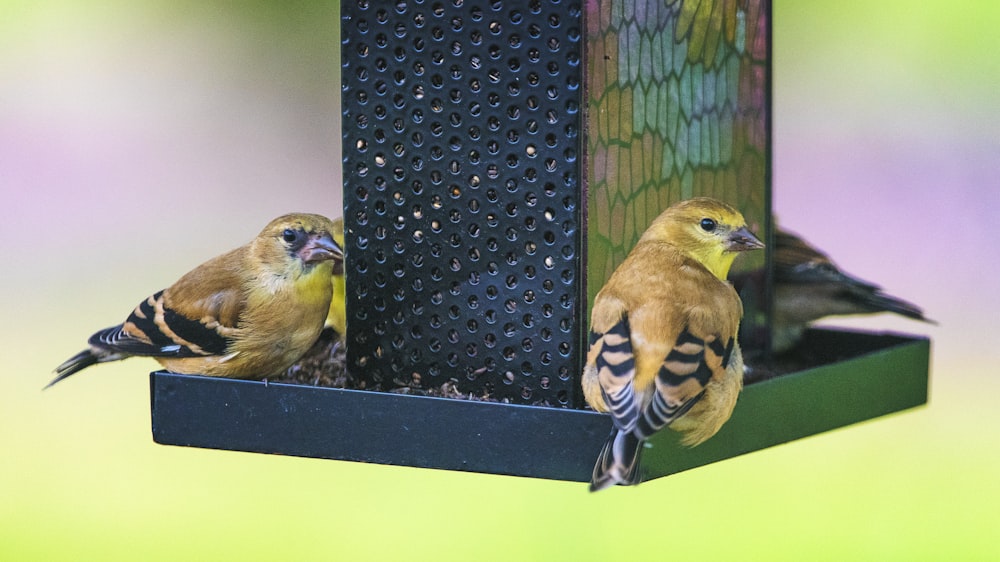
{"points": [[247, 314], [663, 335], [337, 317], [809, 286]]}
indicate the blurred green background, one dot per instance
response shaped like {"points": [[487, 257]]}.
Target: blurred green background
{"points": [[138, 139]]}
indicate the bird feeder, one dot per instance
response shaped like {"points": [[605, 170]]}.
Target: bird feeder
{"points": [[501, 157]]}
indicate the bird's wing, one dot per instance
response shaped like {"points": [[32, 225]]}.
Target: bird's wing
{"points": [[157, 331], [682, 379], [615, 362], [197, 316], [799, 263]]}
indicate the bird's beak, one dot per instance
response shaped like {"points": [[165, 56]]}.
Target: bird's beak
{"points": [[742, 240], [321, 247]]}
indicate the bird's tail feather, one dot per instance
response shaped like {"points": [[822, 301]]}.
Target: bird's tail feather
{"points": [[879, 302], [618, 462], [81, 361]]}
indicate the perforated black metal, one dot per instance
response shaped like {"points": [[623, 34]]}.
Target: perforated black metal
{"points": [[463, 197]]}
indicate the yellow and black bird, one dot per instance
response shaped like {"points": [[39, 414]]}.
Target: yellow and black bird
{"points": [[809, 286], [663, 347], [247, 314]]}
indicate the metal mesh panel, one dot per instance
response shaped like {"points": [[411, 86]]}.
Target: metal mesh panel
{"points": [[462, 196]]}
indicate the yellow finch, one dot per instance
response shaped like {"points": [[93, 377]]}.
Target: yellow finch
{"points": [[249, 313], [663, 335], [337, 318], [809, 286]]}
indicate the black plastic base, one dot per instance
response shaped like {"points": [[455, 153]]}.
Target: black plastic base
{"points": [[882, 374]]}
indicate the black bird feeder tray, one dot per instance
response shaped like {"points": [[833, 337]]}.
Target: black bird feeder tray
{"points": [[501, 157]]}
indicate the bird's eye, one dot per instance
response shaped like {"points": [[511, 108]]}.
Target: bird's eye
{"points": [[708, 225], [289, 235]]}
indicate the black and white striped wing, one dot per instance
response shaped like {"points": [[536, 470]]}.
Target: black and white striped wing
{"points": [[682, 379], [616, 372], [154, 330]]}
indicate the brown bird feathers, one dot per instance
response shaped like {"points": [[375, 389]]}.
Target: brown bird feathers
{"points": [[663, 333], [248, 313]]}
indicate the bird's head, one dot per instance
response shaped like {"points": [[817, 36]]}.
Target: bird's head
{"points": [[707, 230], [299, 240]]}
